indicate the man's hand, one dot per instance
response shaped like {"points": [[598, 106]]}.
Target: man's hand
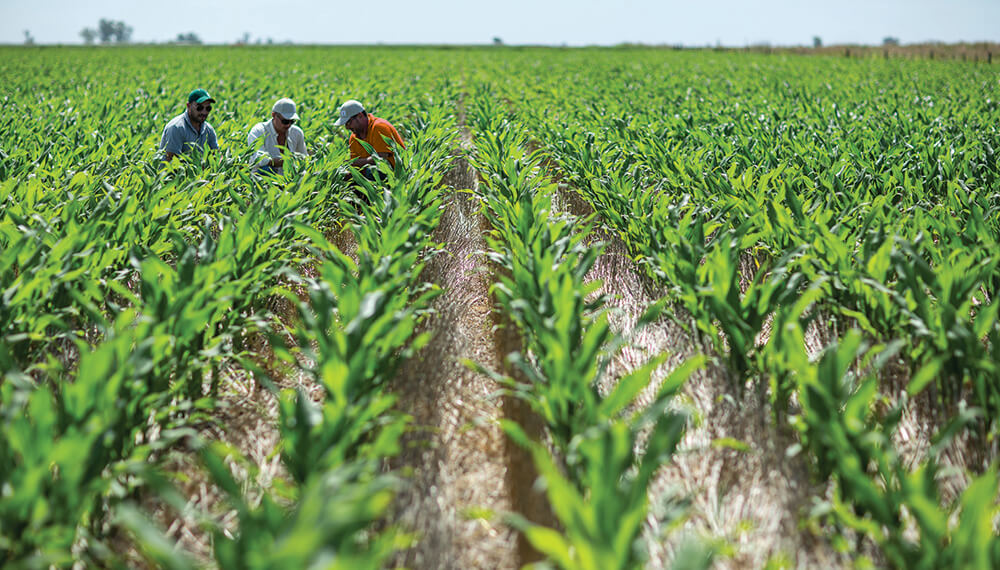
{"points": [[370, 160], [363, 161]]}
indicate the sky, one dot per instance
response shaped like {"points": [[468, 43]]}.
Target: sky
{"points": [[733, 23]]}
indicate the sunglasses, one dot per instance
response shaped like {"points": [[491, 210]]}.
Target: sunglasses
{"points": [[287, 121], [206, 108]]}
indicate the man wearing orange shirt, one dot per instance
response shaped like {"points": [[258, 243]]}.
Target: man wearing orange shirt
{"points": [[372, 130]]}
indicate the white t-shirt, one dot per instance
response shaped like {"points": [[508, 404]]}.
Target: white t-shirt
{"points": [[295, 141]]}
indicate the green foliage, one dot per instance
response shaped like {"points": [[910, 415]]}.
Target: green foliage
{"points": [[603, 504], [874, 493], [768, 196]]}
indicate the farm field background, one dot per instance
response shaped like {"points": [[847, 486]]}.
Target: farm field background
{"points": [[617, 308]]}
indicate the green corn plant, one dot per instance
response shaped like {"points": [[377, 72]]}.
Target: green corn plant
{"points": [[780, 204], [359, 325], [329, 525], [65, 443], [46, 300], [858, 279], [192, 305], [317, 437], [949, 318], [781, 379], [873, 488], [668, 236], [723, 313], [544, 263], [604, 508]]}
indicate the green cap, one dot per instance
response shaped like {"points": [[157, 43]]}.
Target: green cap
{"points": [[200, 96]]}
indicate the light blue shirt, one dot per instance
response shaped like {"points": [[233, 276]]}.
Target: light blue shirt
{"points": [[179, 136]]}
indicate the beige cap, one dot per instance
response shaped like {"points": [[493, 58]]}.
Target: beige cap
{"points": [[286, 108], [348, 110]]}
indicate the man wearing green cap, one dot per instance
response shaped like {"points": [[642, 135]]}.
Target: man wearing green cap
{"points": [[189, 130]]}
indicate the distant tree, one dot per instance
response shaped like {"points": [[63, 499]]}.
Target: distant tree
{"points": [[245, 39], [497, 41], [114, 31], [817, 42], [88, 35], [890, 41], [28, 39], [105, 29], [188, 38], [123, 33]]}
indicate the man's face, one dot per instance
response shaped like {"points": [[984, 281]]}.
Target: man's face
{"points": [[357, 124], [199, 111], [281, 124]]}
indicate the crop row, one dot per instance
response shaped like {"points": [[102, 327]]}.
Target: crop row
{"points": [[596, 479]]}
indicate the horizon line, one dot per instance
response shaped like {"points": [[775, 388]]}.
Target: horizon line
{"points": [[562, 45]]}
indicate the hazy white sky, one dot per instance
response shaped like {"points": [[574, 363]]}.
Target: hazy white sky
{"points": [[553, 22]]}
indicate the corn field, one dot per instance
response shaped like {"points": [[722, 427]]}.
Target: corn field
{"points": [[612, 308]]}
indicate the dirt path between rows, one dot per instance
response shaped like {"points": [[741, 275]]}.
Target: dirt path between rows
{"points": [[456, 450]]}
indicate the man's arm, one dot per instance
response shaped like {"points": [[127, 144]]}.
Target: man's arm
{"points": [[369, 160], [363, 161], [170, 144], [212, 139], [297, 143], [358, 153], [385, 133], [394, 134], [261, 157]]}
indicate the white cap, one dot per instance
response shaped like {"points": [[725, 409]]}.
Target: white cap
{"points": [[348, 110], [286, 108]]}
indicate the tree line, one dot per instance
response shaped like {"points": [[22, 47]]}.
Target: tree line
{"points": [[108, 31]]}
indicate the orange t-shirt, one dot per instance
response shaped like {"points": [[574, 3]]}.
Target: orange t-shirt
{"points": [[377, 128]]}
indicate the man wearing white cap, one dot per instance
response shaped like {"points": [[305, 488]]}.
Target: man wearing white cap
{"points": [[370, 129], [280, 131]]}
